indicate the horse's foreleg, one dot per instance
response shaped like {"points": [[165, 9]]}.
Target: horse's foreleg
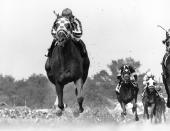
{"points": [[146, 114], [164, 117], [134, 102], [134, 109], [124, 109], [79, 94], [59, 99], [152, 111]]}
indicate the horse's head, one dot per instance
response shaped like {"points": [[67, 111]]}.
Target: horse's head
{"points": [[63, 29], [125, 73], [151, 84], [168, 45]]}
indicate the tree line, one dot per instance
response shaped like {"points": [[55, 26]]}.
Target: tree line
{"points": [[37, 92]]}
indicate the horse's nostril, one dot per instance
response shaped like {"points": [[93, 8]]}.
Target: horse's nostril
{"points": [[126, 76], [62, 33]]}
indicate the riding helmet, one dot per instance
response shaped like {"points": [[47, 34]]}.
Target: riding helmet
{"points": [[67, 12]]}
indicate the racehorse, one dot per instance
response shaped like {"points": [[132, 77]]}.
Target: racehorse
{"points": [[67, 64], [152, 99], [128, 93], [166, 71]]}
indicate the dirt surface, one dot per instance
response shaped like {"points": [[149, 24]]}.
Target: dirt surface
{"points": [[98, 119]]}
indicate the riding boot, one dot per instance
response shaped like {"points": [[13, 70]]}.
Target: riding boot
{"points": [[50, 50], [164, 73], [82, 48]]}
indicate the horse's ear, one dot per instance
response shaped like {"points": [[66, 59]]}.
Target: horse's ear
{"points": [[56, 14]]}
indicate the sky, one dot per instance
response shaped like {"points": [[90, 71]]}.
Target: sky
{"points": [[113, 29]]}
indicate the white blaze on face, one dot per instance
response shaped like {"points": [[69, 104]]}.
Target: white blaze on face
{"points": [[151, 82]]}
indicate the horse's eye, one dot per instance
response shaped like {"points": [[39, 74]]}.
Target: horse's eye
{"points": [[67, 26], [55, 26]]}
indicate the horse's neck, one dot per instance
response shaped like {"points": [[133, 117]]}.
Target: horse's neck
{"points": [[67, 49], [151, 94], [68, 52]]}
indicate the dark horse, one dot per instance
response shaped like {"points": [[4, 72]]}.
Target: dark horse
{"points": [[152, 99], [67, 64], [128, 93], [166, 71]]}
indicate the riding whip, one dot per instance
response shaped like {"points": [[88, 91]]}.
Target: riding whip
{"points": [[162, 28]]}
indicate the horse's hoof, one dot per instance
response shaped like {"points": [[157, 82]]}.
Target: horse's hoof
{"points": [[148, 117], [59, 112], [81, 110], [123, 114], [136, 118]]}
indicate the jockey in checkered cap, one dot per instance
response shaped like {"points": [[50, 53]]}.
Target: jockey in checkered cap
{"points": [[76, 33], [146, 78], [133, 76]]}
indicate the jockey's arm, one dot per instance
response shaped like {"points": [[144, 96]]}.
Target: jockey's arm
{"points": [[134, 76], [132, 70], [78, 30]]}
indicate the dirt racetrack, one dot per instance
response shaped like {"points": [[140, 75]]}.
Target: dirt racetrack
{"points": [[98, 119]]}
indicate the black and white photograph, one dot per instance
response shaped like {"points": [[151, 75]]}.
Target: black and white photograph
{"points": [[81, 65]]}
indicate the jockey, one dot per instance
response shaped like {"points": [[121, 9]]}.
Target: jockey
{"points": [[76, 33], [145, 81], [133, 76], [167, 43]]}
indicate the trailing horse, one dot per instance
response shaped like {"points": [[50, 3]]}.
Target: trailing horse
{"points": [[152, 99], [67, 64], [166, 71], [128, 93]]}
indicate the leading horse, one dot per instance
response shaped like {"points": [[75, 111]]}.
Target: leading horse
{"points": [[128, 93], [67, 64]]}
